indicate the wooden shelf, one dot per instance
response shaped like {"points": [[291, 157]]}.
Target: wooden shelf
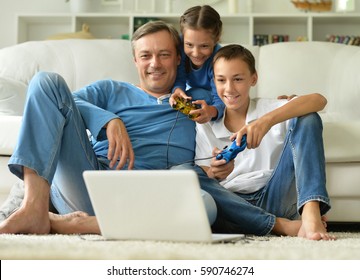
{"points": [[237, 28]]}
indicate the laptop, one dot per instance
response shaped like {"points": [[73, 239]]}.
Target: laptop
{"points": [[163, 205]]}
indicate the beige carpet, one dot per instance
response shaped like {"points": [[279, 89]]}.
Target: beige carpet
{"points": [[346, 247]]}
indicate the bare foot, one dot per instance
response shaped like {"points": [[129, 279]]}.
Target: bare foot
{"points": [[26, 220], [324, 221], [74, 223], [32, 216], [314, 231], [313, 226], [286, 227]]}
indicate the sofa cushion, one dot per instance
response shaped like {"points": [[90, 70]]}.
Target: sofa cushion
{"points": [[306, 67], [12, 97], [79, 61], [344, 83], [288, 68]]}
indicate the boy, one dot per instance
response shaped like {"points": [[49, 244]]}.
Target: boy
{"points": [[281, 175]]}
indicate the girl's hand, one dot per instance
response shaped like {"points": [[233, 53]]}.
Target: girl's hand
{"points": [[178, 93], [205, 113], [120, 147]]}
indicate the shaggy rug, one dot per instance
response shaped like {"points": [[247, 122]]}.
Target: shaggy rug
{"points": [[94, 247]]}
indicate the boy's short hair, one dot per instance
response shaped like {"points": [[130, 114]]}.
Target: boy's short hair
{"points": [[234, 51], [153, 27]]}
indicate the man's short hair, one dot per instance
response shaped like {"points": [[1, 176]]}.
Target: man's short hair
{"points": [[153, 27]]}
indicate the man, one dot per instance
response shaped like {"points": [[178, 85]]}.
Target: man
{"points": [[130, 127]]}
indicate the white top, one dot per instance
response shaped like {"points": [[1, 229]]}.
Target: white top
{"points": [[253, 167]]}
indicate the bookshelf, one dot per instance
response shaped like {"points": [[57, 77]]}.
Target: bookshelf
{"points": [[237, 28]]}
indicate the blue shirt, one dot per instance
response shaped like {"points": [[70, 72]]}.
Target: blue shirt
{"points": [[160, 136], [199, 78]]}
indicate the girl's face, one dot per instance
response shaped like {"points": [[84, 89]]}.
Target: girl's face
{"points": [[198, 45], [233, 81]]}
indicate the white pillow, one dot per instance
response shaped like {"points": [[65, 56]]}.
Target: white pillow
{"points": [[12, 97]]}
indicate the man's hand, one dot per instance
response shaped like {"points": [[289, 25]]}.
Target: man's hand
{"points": [[119, 145], [287, 97], [178, 93]]}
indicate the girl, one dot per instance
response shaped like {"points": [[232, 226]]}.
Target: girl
{"points": [[201, 29]]}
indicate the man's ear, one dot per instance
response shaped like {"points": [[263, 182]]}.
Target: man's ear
{"points": [[178, 59]]}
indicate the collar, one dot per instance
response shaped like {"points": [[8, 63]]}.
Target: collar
{"points": [[219, 128], [163, 97], [159, 99], [252, 114]]}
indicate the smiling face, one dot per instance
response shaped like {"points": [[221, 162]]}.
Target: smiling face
{"points": [[198, 45], [156, 59], [233, 80]]}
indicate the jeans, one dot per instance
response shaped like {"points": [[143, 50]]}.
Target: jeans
{"points": [[298, 178], [53, 141]]}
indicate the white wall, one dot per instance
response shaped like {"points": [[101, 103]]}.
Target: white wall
{"points": [[9, 8]]}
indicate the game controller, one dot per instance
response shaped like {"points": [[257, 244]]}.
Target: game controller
{"points": [[229, 153], [185, 106]]}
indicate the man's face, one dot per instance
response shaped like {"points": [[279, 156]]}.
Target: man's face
{"points": [[156, 60]]}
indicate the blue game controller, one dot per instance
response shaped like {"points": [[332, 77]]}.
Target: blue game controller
{"points": [[229, 153]]}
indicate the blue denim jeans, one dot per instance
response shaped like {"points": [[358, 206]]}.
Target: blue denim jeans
{"points": [[298, 178], [53, 141]]}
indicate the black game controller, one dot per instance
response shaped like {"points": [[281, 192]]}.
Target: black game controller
{"points": [[229, 153], [185, 106]]}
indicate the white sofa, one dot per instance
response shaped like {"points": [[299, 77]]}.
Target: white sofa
{"points": [[284, 68]]}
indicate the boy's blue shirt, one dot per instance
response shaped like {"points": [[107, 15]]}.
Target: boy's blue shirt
{"points": [[148, 123], [199, 78]]}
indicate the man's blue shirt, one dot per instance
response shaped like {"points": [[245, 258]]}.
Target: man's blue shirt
{"points": [[160, 136]]}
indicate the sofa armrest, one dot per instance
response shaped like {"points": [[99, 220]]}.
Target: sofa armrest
{"points": [[342, 141], [9, 127]]}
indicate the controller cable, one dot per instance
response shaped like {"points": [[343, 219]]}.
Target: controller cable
{"points": [[168, 145], [168, 140], [190, 161]]}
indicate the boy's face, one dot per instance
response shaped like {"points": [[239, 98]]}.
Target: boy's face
{"points": [[233, 81], [198, 46], [156, 59]]}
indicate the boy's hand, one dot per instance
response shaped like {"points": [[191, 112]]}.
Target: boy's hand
{"points": [[255, 132], [178, 93], [219, 169], [205, 113]]}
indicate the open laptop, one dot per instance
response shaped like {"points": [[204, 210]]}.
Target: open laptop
{"points": [[163, 205]]}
